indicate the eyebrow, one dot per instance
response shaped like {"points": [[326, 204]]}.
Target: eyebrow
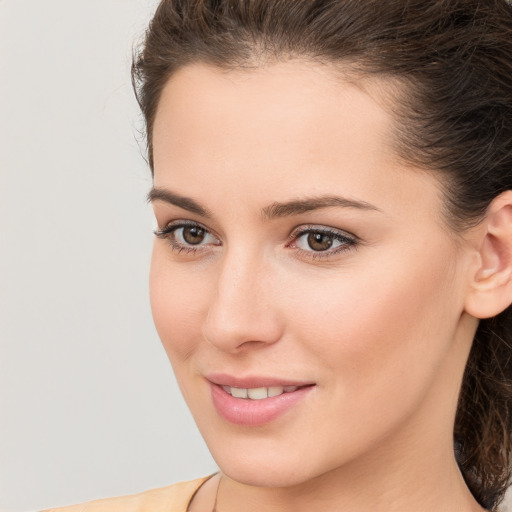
{"points": [[298, 206], [186, 203], [273, 211]]}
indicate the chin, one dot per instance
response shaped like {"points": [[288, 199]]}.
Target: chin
{"points": [[262, 475], [265, 464]]}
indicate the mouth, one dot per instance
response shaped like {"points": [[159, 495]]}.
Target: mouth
{"points": [[255, 401], [261, 392]]}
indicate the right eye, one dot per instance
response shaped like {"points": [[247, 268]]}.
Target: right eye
{"points": [[190, 237]]}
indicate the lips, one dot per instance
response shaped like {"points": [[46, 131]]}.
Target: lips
{"points": [[222, 379], [254, 401]]}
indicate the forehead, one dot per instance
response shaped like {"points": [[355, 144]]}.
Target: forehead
{"points": [[207, 113], [276, 132], [288, 91]]}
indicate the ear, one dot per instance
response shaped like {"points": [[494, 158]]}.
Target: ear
{"points": [[491, 281]]}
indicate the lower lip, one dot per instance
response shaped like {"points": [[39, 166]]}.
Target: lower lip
{"points": [[250, 413]]}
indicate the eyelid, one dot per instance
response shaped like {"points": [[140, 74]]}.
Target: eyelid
{"points": [[166, 233], [180, 223], [319, 228], [348, 241]]}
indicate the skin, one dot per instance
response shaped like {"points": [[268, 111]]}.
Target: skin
{"points": [[380, 328]]}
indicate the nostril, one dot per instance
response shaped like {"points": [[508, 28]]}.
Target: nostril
{"points": [[252, 344]]}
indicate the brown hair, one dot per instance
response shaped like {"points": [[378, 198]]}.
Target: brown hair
{"points": [[452, 60]]}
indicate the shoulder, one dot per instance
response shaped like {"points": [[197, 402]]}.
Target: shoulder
{"points": [[173, 498]]}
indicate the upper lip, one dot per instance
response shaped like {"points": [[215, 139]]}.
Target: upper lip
{"points": [[253, 381]]}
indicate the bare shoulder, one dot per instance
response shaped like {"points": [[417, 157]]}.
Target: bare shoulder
{"points": [[172, 498]]}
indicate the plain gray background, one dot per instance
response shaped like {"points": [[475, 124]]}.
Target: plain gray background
{"points": [[88, 404]]}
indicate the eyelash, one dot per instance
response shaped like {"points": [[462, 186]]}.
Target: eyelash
{"points": [[348, 241]]}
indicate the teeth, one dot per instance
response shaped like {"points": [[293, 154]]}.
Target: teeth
{"points": [[239, 392], [275, 391], [259, 393]]}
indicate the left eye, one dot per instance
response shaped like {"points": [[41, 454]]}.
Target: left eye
{"points": [[322, 241]]}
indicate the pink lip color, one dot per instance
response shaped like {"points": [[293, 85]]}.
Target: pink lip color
{"points": [[250, 381], [250, 413]]}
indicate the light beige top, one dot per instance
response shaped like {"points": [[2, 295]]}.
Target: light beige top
{"points": [[173, 498]]}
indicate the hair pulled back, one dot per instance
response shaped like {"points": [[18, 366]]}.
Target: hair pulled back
{"points": [[452, 62]]}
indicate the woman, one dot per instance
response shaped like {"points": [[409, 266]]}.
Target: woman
{"points": [[332, 269]]}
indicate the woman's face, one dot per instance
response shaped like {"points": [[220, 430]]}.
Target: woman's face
{"points": [[295, 250]]}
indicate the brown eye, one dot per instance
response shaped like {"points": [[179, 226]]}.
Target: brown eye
{"points": [[319, 241], [193, 235], [190, 237]]}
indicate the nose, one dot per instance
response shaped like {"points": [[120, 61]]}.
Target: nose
{"points": [[243, 312]]}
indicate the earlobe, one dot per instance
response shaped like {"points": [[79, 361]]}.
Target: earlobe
{"points": [[491, 284]]}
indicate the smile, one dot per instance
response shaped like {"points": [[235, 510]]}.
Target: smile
{"points": [[254, 402], [259, 393]]}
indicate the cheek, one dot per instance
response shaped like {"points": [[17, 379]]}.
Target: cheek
{"points": [[178, 303], [376, 327]]}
